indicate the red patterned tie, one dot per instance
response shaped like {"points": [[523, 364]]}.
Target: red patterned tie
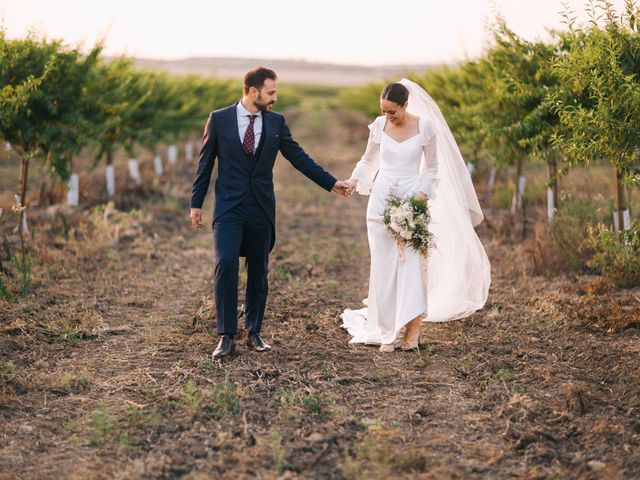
{"points": [[249, 138]]}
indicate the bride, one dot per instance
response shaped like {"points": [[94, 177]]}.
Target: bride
{"points": [[411, 152]]}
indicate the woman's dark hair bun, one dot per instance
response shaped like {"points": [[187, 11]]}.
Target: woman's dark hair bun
{"points": [[396, 93]]}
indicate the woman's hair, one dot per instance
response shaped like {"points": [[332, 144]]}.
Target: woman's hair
{"points": [[396, 93]]}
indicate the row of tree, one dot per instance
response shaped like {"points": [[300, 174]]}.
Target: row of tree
{"points": [[569, 101], [56, 100]]}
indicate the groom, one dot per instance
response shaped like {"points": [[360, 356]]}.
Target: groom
{"points": [[246, 137]]}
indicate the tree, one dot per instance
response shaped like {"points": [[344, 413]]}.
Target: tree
{"points": [[517, 114], [43, 103], [603, 66], [458, 92]]}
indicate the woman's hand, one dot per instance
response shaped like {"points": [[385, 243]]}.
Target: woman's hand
{"points": [[421, 196], [351, 186]]}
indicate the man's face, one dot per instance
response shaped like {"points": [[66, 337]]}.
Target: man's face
{"points": [[266, 96]]}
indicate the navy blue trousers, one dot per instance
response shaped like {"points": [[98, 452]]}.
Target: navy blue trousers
{"points": [[247, 229]]}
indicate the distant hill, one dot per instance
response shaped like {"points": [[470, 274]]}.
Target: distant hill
{"points": [[289, 71]]}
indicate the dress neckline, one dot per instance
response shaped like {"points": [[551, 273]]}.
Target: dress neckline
{"points": [[406, 139], [403, 141]]}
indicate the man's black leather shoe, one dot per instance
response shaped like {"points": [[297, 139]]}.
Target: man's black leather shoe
{"points": [[225, 347], [255, 342]]}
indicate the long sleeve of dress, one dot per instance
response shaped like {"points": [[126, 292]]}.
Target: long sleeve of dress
{"points": [[429, 171], [367, 168]]}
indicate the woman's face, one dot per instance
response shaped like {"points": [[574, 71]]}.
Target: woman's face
{"points": [[393, 111]]}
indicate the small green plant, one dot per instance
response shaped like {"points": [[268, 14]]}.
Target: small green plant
{"points": [[108, 429], [568, 232], [502, 196], [73, 338], [4, 291], [616, 254], [509, 379], [312, 403], [326, 372], [209, 367], [278, 452], [7, 374], [467, 363], [382, 454], [137, 418], [379, 374], [23, 260], [504, 375], [74, 382], [283, 398], [192, 398], [225, 399], [103, 425], [564, 245], [288, 275], [122, 442]]}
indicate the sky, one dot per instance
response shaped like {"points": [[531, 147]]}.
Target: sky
{"points": [[362, 32]]}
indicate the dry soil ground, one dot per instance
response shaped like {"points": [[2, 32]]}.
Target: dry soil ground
{"points": [[106, 368]]}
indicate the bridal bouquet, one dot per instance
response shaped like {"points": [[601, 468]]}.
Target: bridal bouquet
{"points": [[407, 221]]}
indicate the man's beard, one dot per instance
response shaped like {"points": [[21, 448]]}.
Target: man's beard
{"points": [[263, 107]]}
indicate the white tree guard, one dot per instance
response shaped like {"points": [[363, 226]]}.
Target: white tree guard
{"points": [[188, 151], [626, 220], [471, 167], [157, 165], [25, 226], [172, 154], [492, 180], [522, 182], [73, 190], [134, 171], [110, 176]]}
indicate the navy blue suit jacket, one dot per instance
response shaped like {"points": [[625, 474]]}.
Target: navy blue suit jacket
{"points": [[238, 174]]}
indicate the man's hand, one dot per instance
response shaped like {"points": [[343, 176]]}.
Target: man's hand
{"points": [[340, 187], [196, 219]]}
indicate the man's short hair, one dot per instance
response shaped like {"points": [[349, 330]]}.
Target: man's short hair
{"points": [[256, 77]]}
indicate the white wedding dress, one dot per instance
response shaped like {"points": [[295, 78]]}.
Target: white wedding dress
{"points": [[454, 281]]}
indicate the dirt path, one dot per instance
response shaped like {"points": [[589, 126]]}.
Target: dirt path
{"points": [[124, 386]]}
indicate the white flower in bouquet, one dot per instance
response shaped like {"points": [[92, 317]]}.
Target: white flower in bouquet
{"points": [[407, 221]]}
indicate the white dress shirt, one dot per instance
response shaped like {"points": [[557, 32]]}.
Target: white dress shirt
{"points": [[243, 123]]}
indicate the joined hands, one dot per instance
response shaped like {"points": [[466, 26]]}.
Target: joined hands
{"points": [[345, 188], [340, 187]]}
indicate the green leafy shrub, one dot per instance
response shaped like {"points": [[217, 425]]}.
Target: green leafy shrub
{"points": [[502, 196], [564, 245], [568, 232], [616, 255]]}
